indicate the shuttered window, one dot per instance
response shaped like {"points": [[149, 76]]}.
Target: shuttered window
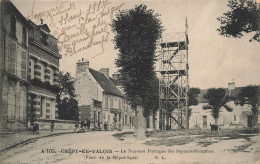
{"points": [[106, 102], [24, 65], [12, 58], [11, 103], [111, 102]]}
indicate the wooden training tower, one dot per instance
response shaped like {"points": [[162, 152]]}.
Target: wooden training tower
{"points": [[174, 81]]}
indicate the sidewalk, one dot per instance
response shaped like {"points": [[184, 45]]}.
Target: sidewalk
{"points": [[11, 140]]}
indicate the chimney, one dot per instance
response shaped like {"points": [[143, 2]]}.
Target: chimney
{"points": [[115, 76], [231, 86], [82, 66], [105, 71], [41, 21]]}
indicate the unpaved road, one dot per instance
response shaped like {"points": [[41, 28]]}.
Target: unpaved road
{"points": [[102, 147]]}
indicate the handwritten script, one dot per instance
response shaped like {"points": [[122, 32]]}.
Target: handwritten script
{"points": [[78, 28]]}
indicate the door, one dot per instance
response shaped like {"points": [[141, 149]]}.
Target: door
{"points": [[204, 121], [250, 121]]}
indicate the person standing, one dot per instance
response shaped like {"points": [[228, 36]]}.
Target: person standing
{"points": [[88, 124], [52, 126], [105, 126]]}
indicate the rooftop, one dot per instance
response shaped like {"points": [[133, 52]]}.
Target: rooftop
{"points": [[106, 83]]}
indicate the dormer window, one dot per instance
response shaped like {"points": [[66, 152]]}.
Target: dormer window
{"points": [[44, 38], [13, 26]]}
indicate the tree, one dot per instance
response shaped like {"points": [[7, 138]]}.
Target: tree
{"points": [[250, 95], [151, 103], [66, 98], [217, 98], [243, 16], [137, 31], [193, 98]]}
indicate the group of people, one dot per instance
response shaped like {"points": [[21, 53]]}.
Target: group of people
{"points": [[83, 125], [87, 125], [36, 128]]}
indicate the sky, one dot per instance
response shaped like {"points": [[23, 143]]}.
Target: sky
{"points": [[214, 60]]}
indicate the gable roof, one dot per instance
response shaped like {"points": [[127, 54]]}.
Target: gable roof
{"points": [[105, 83]]}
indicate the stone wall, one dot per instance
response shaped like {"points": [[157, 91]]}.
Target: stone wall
{"points": [[58, 124], [87, 88]]}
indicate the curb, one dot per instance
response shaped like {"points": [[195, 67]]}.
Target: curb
{"points": [[32, 139]]}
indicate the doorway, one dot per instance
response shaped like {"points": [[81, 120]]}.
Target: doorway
{"points": [[205, 122]]}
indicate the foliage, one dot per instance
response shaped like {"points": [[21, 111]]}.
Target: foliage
{"points": [[137, 31], [244, 16], [66, 98], [193, 96], [66, 85], [205, 107], [249, 95], [68, 109], [151, 102], [217, 98]]}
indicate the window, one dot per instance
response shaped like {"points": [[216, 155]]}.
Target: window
{"points": [[125, 119], [13, 26], [44, 38], [235, 118], [24, 41], [119, 104], [111, 102], [123, 104], [106, 102]]}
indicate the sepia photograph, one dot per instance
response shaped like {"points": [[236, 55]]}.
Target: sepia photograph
{"points": [[130, 82]]}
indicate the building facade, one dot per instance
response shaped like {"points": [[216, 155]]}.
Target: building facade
{"points": [[43, 74], [13, 68], [127, 111], [100, 101], [239, 117], [29, 70]]}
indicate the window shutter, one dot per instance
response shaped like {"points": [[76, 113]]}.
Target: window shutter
{"points": [[23, 65], [12, 57]]}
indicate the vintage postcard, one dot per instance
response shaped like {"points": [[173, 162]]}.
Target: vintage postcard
{"points": [[120, 81]]}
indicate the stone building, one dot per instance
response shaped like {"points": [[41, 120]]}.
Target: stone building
{"points": [[13, 68], [29, 71], [43, 74], [99, 99], [239, 117], [127, 111]]}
